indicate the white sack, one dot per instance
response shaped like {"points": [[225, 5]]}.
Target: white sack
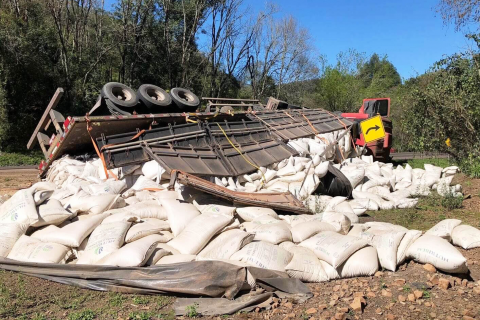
{"points": [[444, 228], [110, 186], [333, 247], [264, 255], [225, 245], [33, 250], [362, 263], [272, 232], [305, 266], [179, 214], [216, 209], [339, 221], [251, 213], [74, 233], [387, 246], [134, 254], [410, 237], [149, 226], [9, 233], [96, 204], [305, 230], [52, 212], [466, 237], [105, 239], [178, 258], [20, 208], [438, 252], [198, 232]]}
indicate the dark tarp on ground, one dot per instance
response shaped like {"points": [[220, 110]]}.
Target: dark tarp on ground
{"points": [[212, 279]]}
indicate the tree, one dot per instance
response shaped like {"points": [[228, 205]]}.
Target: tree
{"points": [[461, 12]]}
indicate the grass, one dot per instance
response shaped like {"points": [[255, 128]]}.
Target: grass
{"points": [[20, 298], [82, 315], [419, 163], [429, 211], [116, 299], [191, 311], [140, 300], [20, 159]]}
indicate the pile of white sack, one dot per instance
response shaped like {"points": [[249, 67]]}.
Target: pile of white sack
{"points": [[79, 215]]}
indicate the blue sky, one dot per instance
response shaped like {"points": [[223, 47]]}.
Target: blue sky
{"points": [[409, 32]]}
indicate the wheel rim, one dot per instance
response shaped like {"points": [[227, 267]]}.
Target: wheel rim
{"points": [[121, 94], [185, 95], [155, 94]]}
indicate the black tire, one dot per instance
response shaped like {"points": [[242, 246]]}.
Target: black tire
{"points": [[184, 99], [119, 94], [152, 96]]}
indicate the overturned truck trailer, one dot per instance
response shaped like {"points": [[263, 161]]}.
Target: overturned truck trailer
{"points": [[219, 143], [201, 143]]}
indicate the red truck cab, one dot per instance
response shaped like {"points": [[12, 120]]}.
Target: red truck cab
{"points": [[380, 149]]}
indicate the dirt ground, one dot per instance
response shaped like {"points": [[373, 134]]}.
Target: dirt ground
{"points": [[411, 292]]}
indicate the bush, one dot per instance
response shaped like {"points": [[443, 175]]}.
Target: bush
{"points": [[20, 159], [450, 201], [471, 166]]}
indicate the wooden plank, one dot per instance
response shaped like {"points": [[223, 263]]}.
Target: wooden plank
{"points": [[57, 119], [45, 117]]}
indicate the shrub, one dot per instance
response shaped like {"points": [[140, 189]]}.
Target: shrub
{"points": [[450, 201]]}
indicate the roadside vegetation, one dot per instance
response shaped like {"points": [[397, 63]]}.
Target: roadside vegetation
{"points": [[81, 45], [20, 159]]}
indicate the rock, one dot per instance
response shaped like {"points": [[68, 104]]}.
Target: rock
{"points": [[390, 316], [468, 313], [311, 311], [434, 279], [371, 294], [399, 282], [288, 305], [411, 297], [401, 298], [433, 315], [340, 316], [476, 290], [322, 307], [379, 274], [343, 310], [356, 305], [386, 293], [468, 318], [464, 282], [336, 288], [418, 294], [443, 283], [429, 268], [378, 311]]}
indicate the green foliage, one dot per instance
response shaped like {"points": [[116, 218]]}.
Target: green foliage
{"points": [[450, 201], [140, 300], [343, 85], [136, 315], [420, 163], [441, 104], [191, 310], [20, 159], [82, 315], [116, 299]]}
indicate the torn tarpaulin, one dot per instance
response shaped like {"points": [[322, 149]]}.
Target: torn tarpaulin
{"points": [[213, 279]]}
